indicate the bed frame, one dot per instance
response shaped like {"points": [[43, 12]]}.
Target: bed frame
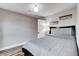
{"points": [[26, 52], [73, 31]]}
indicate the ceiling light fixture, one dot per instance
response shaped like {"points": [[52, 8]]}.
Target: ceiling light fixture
{"points": [[35, 8]]}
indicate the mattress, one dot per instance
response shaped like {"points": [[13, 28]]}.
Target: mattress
{"points": [[52, 46]]}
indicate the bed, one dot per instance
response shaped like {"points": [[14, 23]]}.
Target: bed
{"points": [[60, 42]]}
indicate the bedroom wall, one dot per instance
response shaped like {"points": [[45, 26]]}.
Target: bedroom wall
{"points": [[55, 17], [16, 29], [77, 25], [68, 22]]}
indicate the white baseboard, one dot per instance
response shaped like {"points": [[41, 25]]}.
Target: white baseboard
{"points": [[12, 46]]}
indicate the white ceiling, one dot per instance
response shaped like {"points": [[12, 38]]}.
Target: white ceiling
{"points": [[45, 9]]}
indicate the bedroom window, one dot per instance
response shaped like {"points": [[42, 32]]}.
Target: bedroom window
{"points": [[65, 17]]}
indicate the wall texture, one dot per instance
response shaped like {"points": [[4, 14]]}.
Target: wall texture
{"points": [[16, 28], [67, 22], [55, 17], [77, 25]]}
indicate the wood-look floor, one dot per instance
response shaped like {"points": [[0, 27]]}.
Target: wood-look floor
{"points": [[12, 52]]}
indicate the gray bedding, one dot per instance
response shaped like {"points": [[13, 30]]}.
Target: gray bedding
{"points": [[51, 45]]}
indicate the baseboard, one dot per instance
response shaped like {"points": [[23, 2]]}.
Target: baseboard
{"points": [[12, 46]]}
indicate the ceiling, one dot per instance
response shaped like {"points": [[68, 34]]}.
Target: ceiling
{"points": [[45, 9]]}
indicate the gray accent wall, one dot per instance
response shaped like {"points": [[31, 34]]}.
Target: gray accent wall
{"points": [[16, 28]]}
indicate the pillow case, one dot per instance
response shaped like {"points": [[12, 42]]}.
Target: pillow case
{"points": [[61, 31]]}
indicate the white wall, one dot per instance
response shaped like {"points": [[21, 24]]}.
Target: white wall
{"points": [[77, 25], [16, 28], [68, 22], [55, 17]]}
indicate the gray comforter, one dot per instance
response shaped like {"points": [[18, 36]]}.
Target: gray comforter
{"points": [[52, 46]]}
